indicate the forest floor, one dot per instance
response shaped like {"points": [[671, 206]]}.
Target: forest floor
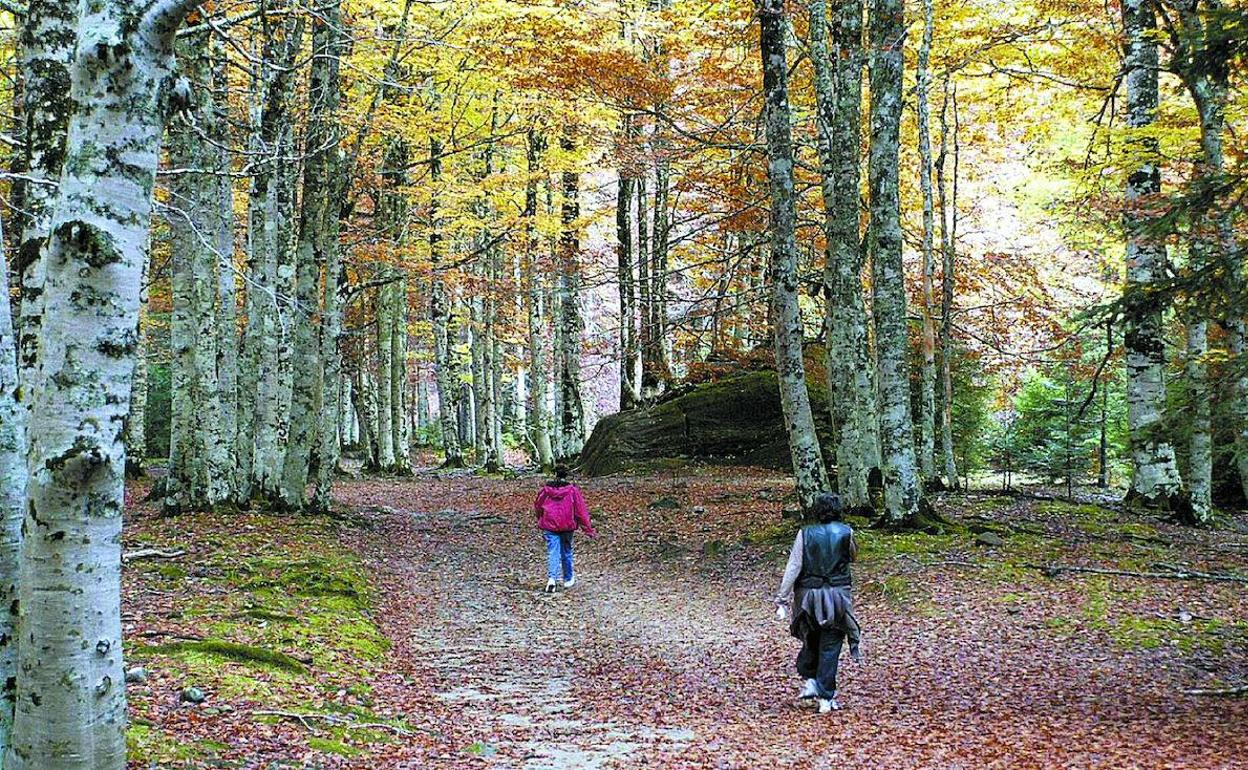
{"points": [[410, 631]]}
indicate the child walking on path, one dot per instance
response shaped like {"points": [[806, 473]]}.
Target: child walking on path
{"points": [[817, 582], [561, 510]]}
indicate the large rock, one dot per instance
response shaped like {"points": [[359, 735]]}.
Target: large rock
{"points": [[733, 421]]}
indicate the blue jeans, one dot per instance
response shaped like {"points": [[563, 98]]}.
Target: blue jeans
{"points": [[558, 555]]}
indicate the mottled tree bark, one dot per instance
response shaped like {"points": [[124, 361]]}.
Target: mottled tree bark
{"points": [[12, 496], [70, 712], [540, 419], [629, 357], [948, 239], [443, 366], [45, 55], [927, 379], [808, 467], [903, 493], [264, 387], [1202, 62], [313, 250], [136, 420], [572, 414], [850, 365], [200, 458], [1155, 474]]}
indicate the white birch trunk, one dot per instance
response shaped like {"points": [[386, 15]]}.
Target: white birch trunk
{"points": [[70, 712], [12, 497], [45, 55], [808, 467]]}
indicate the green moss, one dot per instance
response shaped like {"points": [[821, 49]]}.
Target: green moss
{"points": [[332, 746], [219, 648], [775, 533], [148, 746], [875, 545], [171, 571]]}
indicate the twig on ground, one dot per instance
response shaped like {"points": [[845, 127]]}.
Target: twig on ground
{"points": [[1171, 573], [152, 553], [333, 719], [1220, 692]]}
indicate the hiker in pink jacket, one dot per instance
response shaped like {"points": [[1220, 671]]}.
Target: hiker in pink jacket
{"points": [[561, 510]]}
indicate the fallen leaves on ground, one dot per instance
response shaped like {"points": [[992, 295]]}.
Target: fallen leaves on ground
{"points": [[430, 644]]}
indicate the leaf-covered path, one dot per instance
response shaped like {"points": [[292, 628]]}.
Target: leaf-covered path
{"points": [[665, 653]]}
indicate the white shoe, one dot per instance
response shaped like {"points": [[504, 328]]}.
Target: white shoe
{"points": [[809, 690], [551, 585], [569, 583], [828, 705]]}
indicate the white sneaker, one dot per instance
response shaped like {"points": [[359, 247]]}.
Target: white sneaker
{"points": [[828, 705], [551, 585], [569, 583], [809, 690]]}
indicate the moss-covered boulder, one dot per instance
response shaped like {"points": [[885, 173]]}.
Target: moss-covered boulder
{"points": [[733, 421]]}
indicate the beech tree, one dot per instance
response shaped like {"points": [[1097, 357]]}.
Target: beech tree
{"points": [[850, 363], [903, 492], [1155, 474], [808, 467]]}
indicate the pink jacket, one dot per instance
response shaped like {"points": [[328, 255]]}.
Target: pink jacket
{"points": [[562, 508]]}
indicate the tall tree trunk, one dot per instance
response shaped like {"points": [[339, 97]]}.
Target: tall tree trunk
{"points": [[808, 467], [136, 420], [851, 369], [264, 383], [540, 422], [629, 392], [385, 327], [927, 384], [45, 54], [312, 254], [13, 477], [200, 461], [1205, 68], [1155, 474], [226, 301], [70, 712], [948, 251], [444, 372], [572, 414], [903, 492], [398, 377]]}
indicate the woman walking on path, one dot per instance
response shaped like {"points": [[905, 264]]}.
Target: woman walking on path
{"points": [[561, 510], [817, 584]]}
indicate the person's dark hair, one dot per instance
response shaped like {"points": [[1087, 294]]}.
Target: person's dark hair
{"points": [[561, 472], [827, 507]]}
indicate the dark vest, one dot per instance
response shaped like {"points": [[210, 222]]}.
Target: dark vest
{"points": [[825, 555]]}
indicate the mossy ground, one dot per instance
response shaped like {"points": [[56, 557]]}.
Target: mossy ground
{"points": [[265, 612]]}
